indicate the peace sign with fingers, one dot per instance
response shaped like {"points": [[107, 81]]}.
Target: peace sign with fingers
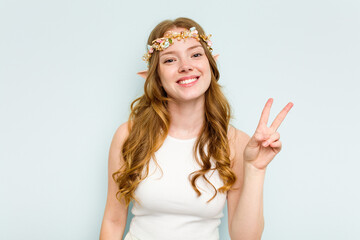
{"points": [[265, 144]]}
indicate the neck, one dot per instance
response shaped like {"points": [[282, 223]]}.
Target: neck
{"points": [[186, 118]]}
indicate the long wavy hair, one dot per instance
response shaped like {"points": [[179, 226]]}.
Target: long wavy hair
{"points": [[149, 123]]}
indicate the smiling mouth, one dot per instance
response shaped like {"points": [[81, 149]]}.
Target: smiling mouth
{"points": [[187, 81]]}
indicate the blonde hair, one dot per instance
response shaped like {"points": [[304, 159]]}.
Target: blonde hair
{"points": [[149, 123]]}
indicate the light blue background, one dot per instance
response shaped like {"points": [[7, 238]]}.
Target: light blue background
{"points": [[67, 71]]}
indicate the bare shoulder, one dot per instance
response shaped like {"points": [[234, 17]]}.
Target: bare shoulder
{"points": [[121, 133], [237, 142], [115, 211], [115, 152], [237, 139]]}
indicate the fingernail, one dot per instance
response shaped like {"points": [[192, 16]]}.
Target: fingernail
{"points": [[265, 143]]}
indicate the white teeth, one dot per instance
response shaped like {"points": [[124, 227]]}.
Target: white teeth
{"points": [[187, 81]]}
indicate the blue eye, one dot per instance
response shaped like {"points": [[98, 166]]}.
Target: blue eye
{"points": [[197, 55]]}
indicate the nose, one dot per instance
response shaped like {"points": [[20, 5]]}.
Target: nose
{"points": [[185, 66]]}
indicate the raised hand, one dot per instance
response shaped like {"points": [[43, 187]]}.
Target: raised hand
{"points": [[265, 144]]}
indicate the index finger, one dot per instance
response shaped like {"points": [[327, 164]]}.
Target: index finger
{"points": [[281, 116], [265, 113]]}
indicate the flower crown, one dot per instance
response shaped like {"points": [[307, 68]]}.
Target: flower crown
{"points": [[160, 44]]}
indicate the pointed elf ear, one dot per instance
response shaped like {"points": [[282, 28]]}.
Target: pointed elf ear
{"points": [[143, 74], [216, 57]]}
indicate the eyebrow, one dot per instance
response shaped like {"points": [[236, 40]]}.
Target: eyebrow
{"points": [[172, 52]]}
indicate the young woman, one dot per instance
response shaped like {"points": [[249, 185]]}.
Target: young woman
{"points": [[177, 158]]}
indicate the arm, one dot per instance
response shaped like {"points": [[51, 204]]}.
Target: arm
{"points": [[115, 216], [246, 220], [245, 213]]}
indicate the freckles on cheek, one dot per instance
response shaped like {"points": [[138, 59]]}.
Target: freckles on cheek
{"points": [[160, 71]]}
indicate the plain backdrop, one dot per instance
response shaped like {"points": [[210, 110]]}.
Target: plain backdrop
{"points": [[68, 76]]}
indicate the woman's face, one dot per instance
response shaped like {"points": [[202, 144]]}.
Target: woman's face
{"points": [[184, 69]]}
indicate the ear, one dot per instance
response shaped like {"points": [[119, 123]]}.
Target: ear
{"points": [[143, 74], [216, 57]]}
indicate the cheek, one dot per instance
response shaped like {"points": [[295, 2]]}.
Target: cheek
{"points": [[166, 75], [162, 77], [208, 72], [205, 66], [164, 83]]}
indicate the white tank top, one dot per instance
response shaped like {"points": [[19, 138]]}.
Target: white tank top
{"points": [[170, 208]]}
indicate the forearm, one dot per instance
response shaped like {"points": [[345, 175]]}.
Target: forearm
{"points": [[111, 230], [248, 220]]}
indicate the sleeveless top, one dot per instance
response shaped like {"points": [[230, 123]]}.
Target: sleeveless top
{"points": [[169, 207]]}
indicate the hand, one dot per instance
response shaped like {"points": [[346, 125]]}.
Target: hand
{"points": [[265, 144]]}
